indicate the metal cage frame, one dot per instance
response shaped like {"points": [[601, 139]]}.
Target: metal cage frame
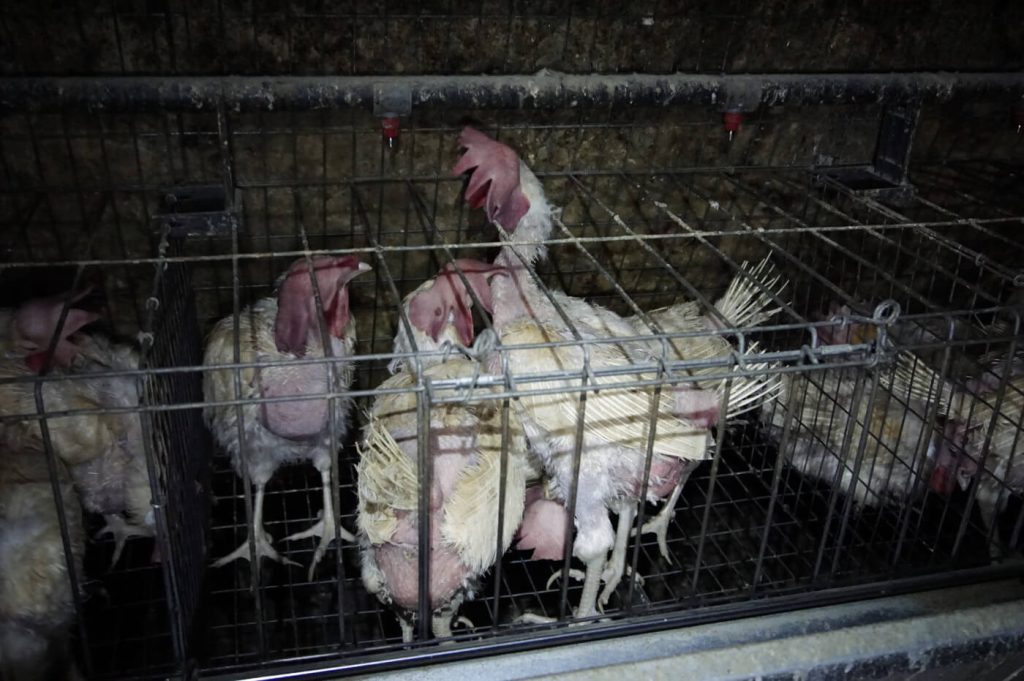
{"points": [[618, 227]]}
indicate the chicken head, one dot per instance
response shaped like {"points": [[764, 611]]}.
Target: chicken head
{"points": [[36, 322], [294, 323], [296, 304], [494, 184], [953, 465], [852, 332], [446, 299]]}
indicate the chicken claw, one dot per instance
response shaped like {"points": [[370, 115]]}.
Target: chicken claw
{"points": [[574, 574], [324, 530], [658, 525], [442, 625], [263, 548], [534, 618], [121, 530]]}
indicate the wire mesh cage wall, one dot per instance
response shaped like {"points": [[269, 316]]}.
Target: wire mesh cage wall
{"points": [[184, 201]]}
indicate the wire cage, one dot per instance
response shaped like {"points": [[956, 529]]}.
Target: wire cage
{"points": [[888, 204]]}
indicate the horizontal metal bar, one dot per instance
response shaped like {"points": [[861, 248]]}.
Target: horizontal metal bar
{"points": [[541, 90], [696, 235], [532, 638]]}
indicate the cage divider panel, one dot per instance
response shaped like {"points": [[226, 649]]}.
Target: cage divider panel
{"points": [[178, 447]]}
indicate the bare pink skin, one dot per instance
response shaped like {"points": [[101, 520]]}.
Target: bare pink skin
{"points": [[35, 323], [543, 526], [398, 559], [296, 320], [494, 184], [665, 475], [429, 309]]}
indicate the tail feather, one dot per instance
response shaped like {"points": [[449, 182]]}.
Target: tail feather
{"points": [[750, 392], [917, 380], [746, 302]]}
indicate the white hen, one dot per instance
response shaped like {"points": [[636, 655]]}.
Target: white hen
{"points": [[275, 334], [104, 452], [37, 606], [616, 430], [992, 402], [465, 450]]}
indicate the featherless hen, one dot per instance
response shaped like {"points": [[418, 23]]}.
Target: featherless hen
{"points": [[275, 333], [984, 415], [464, 445]]}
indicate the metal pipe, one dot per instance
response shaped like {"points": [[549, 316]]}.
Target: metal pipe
{"points": [[541, 90]]}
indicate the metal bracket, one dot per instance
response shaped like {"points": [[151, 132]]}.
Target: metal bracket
{"points": [[198, 211], [886, 178]]}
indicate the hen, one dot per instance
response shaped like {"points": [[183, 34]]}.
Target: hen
{"points": [[37, 606], [275, 334], [992, 402], [878, 452], [465, 452], [104, 452], [616, 428], [745, 304]]}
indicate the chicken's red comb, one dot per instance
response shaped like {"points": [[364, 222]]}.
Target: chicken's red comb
{"points": [[494, 184]]}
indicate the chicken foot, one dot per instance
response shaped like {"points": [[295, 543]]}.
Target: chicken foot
{"points": [[441, 622], [325, 527], [121, 530], [591, 581], [407, 629], [589, 595], [573, 574], [263, 547], [658, 525]]}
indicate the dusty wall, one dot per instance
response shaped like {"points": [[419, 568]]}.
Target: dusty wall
{"points": [[362, 37]]}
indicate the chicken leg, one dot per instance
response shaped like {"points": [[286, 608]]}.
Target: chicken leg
{"points": [[591, 583], [441, 623], [263, 547], [616, 565], [988, 507], [658, 525], [324, 528], [121, 530], [407, 629]]}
